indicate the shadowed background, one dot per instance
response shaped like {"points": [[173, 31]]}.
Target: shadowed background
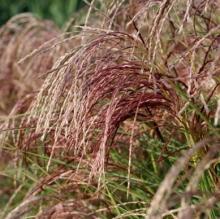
{"points": [[57, 10]]}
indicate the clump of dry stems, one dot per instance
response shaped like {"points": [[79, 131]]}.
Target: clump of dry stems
{"points": [[20, 36], [154, 65]]}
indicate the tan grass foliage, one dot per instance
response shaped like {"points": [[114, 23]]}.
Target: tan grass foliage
{"points": [[18, 38], [152, 62]]}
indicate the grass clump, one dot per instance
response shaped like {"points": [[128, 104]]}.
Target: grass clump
{"points": [[126, 121], [20, 36]]}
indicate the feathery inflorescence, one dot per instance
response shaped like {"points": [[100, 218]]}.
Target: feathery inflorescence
{"points": [[152, 69]]}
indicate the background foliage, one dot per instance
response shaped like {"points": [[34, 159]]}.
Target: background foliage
{"points": [[57, 10]]}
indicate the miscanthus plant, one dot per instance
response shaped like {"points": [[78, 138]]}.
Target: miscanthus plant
{"points": [[20, 36], [126, 123]]}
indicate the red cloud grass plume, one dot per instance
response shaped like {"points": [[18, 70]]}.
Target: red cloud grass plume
{"points": [[148, 74], [182, 37], [116, 76], [20, 36], [85, 100]]}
